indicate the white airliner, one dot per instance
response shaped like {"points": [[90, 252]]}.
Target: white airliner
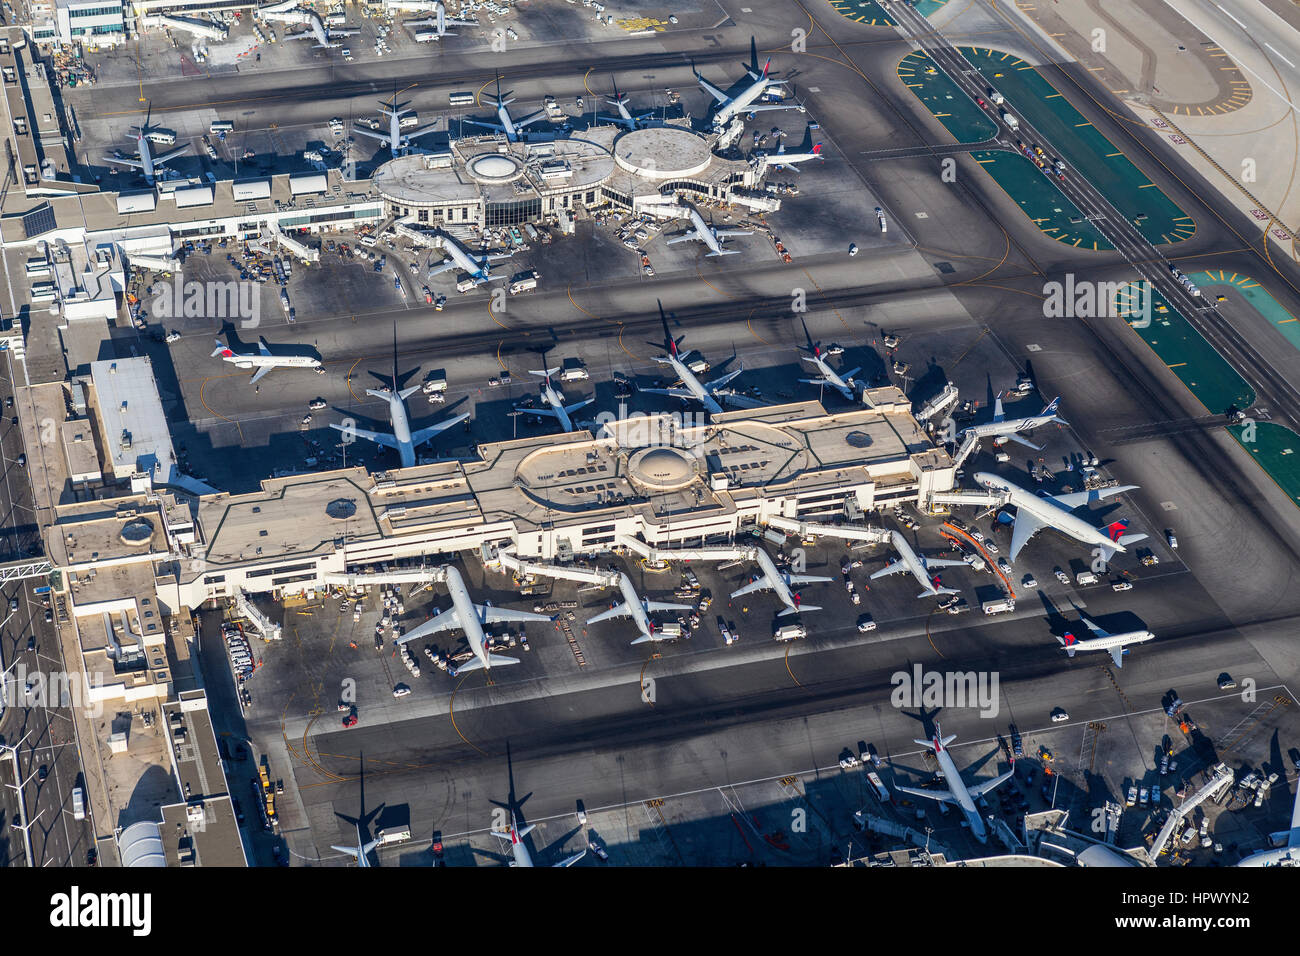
{"points": [[471, 618], [402, 439], [789, 161], [1104, 641], [360, 852], [326, 38], [1001, 429], [729, 107], [957, 791], [521, 855], [691, 386], [512, 128], [395, 139], [148, 164], [477, 267], [1287, 855], [918, 565], [440, 23], [638, 609], [263, 360], [781, 582], [843, 384], [1033, 513], [625, 117], [711, 236], [554, 398]]}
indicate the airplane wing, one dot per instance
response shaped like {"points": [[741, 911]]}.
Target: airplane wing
{"points": [[379, 438], [665, 606], [421, 132], [848, 376], [1023, 441], [446, 265], [260, 372], [1078, 498], [893, 567], [808, 579], [943, 796], [577, 405], [686, 237], [740, 401], [133, 163], [943, 563], [486, 125], [674, 392], [530, 118], [372, 134], [425, 434], [759, 585], [444, 621], [168, 157], [1095, 628], [1026, 527], [980, 789], [571, 860], [491, 614], [540, 411], [768, 107], [618, 610], [723, 380], [716, 93], [1117, 655]]}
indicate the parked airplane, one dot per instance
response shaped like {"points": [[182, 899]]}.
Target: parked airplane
{"points": [[361, 851], [148, 164], [554, 398], [1001, 429], [638, 609], [1104, 641], [711, 236], [1288, 855], [625, 117], [263, 360], [477, 267], [691, 387], [440, 23], [781, 582], [843, 384], [957, 791], [513, 128], [1034, 513], [780, 159], [402, 438], [326, 38], [729, 107], [395, 139], [471, 618], [918, 565]]}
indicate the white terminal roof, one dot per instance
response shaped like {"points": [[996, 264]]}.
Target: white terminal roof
{"points": [[130, 409]]}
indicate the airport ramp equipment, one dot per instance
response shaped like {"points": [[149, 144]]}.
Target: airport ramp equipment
{"points": [[968, 499], [940, 403], [903, 832], [604, 579], [264, 626], [968, 445], [375, 578], [846, 532], [1223, 777], [167, 263], [431, 240], [655, 555]]}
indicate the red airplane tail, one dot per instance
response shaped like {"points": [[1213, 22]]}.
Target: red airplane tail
{"points": [[1116, 529]]}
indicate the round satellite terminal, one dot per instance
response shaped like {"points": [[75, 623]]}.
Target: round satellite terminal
{"points": [[661, 468], [665, 152], [341, 509], [137, 531], [858, 439], [494, 168]]}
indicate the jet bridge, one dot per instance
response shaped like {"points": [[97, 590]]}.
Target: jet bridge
{"points": [[970, 499], [1223, 777], [367, 579], [296, 248], [604, 579], [200, 28], [847, 532], [657, 555], [967, 447], [939, 404], [418, 236], [260, 622]]}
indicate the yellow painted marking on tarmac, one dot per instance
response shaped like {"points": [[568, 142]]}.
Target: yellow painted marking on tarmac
{"points": [[986, 162], [1177, 365], [1077, 241], [1119, 91], [1095, 69], [1051, 96], [1081, 125], [1111, 155], [912, 85], [1147, 186], [1285, 321]]}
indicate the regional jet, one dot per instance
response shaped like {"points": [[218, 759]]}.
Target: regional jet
{"points": [[843, 384], [440, 23], [512, 128], [1033, 513], [360, 852], [326, 38], [402, 439], [471, 618], [780, 159], [1104, 641], [263, 360], [625, 117], [148, 164], [918, 565], [518, 849], [478, 268], [1002, 429], [729, 107], [710, 235], [957, 791], [395, 139], [781, 582], [638, 609], [554, 398], [691, 386]]}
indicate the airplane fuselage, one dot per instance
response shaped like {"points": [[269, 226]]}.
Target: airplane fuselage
{"points": [[957, 787], [1008, 427], [553, 398], [470, 623], [401, 424], [691, 383], [1108, 642], [832, 377], [1049, 513], [704, 230], [915, 563], [777, 579], [740, 104]]}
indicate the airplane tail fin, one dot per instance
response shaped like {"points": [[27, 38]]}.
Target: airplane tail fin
{"points": [[221, 349], [817, 150], [1067, 642]]}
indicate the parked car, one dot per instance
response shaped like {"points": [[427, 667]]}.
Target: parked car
{"points": [[1060, 714]]}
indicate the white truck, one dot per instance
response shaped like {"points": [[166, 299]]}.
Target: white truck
{"points": [[574, 371], [78, 804], [1011, 122], [1085, 577], [436, 382], [791, 632], [1000, 605], [524, 282]]}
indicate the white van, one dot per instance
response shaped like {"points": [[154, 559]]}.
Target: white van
{"points": [[78, 804]]}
